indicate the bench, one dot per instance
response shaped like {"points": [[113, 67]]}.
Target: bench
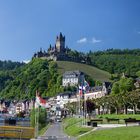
{"points": [[93, 124], [131, 120], [112, 119], [97, 120]]}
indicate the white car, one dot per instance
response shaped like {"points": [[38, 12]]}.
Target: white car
{"points": [[58, 119]]}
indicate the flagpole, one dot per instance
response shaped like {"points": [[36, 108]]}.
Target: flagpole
{"points": [[79, 102], [79, 105], [39, 102], [35, 116], [85, 109], [84, 102], [35, 121]]}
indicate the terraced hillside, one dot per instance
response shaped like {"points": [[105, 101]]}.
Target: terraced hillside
{"points": [[94, 72]]}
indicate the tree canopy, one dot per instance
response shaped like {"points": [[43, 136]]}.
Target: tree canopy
{"points": [[38, 75], [117, 60]]}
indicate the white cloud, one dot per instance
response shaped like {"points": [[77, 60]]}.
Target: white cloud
{"points": [[26, 61], [94, 40], [82, 40], [85, 40]]}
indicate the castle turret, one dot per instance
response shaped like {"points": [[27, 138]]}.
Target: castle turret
{"points": [[60, 43]]}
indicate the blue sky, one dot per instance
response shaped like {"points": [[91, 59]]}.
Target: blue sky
{"points": [[27, 25]]}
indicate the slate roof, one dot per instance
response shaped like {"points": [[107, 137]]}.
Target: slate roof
{"points": [[73, 74]]}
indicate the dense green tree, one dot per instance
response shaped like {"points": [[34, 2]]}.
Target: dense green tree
{"points": [[117, 61], [126, 84], [123, 85], [71, 107], [90, 106], [115, 88], [90, 81], [138, 73], [41, 116], [134, 99], [23, 82], [9, 65]]}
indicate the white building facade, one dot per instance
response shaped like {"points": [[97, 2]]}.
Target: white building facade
{"points": [[72, 78], [64, 98], [99, 91]]}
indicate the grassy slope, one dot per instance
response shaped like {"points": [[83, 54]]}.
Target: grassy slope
{"points": [[94, 72], [123, 133], [43, 130], [72, 127]]}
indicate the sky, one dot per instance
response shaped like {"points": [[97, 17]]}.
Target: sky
{"points": [[28, 25]]}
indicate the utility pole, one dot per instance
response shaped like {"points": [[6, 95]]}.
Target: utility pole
{"points": [[36, 121], [85, 110]]}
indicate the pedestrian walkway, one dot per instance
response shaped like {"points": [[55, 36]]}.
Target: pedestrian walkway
{"points": [[55, 132], [106, 126]]}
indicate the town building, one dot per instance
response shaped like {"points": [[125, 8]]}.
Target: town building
{"points": [[99, 91], [72, 78], [64, 98]]}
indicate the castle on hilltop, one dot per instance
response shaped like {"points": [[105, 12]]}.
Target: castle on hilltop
{"points": [[59, 52]]}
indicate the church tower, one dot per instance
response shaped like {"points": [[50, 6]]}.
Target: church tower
{"points": [[60, 43]]}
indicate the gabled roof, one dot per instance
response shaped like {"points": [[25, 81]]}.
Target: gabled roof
{"points": [[76, 73], [97, 88], [67, 94], [107, 84]]}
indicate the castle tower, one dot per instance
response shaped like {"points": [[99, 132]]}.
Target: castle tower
{"points": [[60, 43]]}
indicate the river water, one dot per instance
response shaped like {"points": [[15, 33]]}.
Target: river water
{"points": [[24, 123]]}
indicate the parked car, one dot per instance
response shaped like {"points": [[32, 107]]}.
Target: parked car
{"points": [[58, 119]]}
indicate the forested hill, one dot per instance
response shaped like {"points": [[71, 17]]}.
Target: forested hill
{"points": [[9, 65], [117, 61], [45, 76], [22, 83], [8, 69]]}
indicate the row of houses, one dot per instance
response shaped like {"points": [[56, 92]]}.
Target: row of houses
{"points": [[15, 107], [70, 78], [93, 93], [75, 78]]}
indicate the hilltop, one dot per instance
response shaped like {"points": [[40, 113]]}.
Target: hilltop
{"points": [[22, 83], [92, 71], [43, 75], [114, 61]]}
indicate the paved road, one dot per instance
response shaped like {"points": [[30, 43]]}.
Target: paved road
{"points": [[55, 132]]}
